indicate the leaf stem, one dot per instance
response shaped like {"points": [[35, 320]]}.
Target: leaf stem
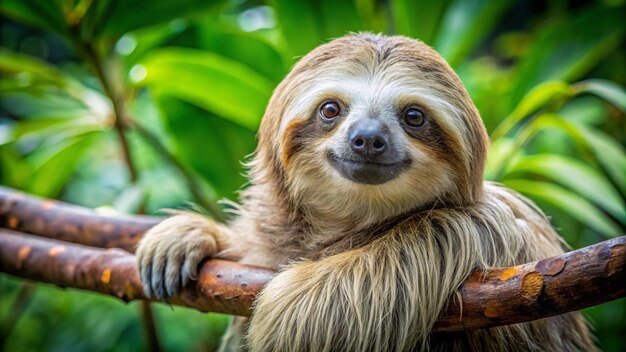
{"points": [[194, 186], [17, 310], [118, 110], [120, 125]]}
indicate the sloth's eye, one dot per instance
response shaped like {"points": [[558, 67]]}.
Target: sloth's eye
{"points": [[414, 117], [329, 110]]}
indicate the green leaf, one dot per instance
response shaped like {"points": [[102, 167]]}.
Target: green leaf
{"points": [[237, 46], [42, 84], [569, 202], [307, 24], [500, 152], [220, 85], [604, 89], [212, 146], [16, 63], [567, 49], [600, 146], [418, 19], [133, 46], [375, 14], [299, 26], [465, 24], [537, 98], [113, 18], [50, 128], [13, 170], [53, 166], [609, 153], [47, 15], [30, 127], [330, 11], [42, 102], [576, 176]]}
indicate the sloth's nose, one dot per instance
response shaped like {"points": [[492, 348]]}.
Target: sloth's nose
{"points": [[368, 138]]}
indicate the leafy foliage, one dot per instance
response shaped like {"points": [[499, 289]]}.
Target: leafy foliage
{"points": [[187, 82]]}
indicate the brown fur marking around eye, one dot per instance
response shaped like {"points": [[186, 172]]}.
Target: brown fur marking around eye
{"points": [[294, 139]]}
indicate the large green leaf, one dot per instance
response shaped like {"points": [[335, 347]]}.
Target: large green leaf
{"points": [[338, 18], [609, 153], [465, 24], [418, 19], [569, 202], [47, 15], [299, 25], [576, 176], [607, 90], [237, 45], [307, 24], [214, 147], [513, 145], [375, 14], [595, 145], [12, 63], [39, 129], [222, 86], [566, 49], [91, 20], [539, 97], [113, 18], [46, 88], [500, 154], [54, 165], [42, 102], [133, 46], [13, 170]]}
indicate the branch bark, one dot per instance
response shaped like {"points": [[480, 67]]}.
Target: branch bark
{"points": [[222, 286], [70, 223], [569, 282]]}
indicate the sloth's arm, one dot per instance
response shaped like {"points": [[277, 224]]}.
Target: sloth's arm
{"points": [[168, 255], [384, 296]]}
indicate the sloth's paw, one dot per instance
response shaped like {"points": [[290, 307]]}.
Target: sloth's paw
{"points": [[169, 254]]}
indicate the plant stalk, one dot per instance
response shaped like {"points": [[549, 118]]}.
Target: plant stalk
{"points": [[148, 322]]}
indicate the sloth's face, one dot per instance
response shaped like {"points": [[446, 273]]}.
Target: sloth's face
{"points": [[379, 122], [372, 135]]}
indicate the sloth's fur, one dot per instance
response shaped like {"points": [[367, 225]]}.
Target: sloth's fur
{"points": [[367, 267]]}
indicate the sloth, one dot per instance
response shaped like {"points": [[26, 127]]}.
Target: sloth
{"points": [[367, 196]]}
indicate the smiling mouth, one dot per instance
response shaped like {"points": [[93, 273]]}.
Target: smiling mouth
{"points": [[370, 172]]}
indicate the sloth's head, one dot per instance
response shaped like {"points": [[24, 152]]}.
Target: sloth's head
{"points": [[369, 126]]}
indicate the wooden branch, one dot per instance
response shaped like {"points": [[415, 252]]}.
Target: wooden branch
{"points": [[70, 223], [558, 285], [222, 286], [549, 287], [569, 282]]}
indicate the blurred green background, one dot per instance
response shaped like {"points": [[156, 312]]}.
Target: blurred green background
{"points": [[185, 84]]}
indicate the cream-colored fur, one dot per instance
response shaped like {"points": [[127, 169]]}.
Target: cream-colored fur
{"points": [[367, 267]]}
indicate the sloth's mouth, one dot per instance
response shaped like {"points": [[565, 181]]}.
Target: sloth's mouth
{"points": [[368, 171]]}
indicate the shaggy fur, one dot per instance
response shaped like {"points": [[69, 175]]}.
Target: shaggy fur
{"points": [[367, 267]]}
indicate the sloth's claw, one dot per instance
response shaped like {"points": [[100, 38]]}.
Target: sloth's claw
{"points": [[169, 254]]}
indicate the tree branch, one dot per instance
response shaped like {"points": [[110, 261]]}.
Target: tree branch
{"points": [[222, 286], [569, 282], [70, 223]]}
